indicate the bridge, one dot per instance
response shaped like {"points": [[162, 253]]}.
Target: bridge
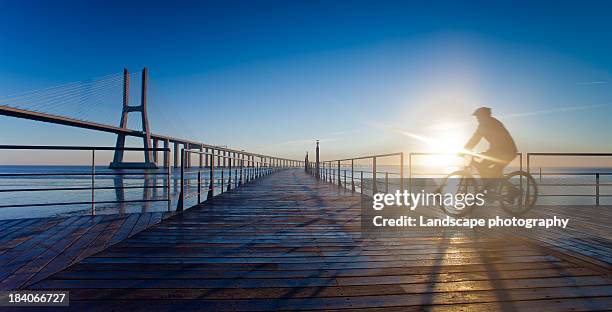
{"points": [[151, 140], [248, 232]]}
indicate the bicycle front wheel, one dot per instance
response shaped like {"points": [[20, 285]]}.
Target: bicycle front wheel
{"points": [[458, 182], [518, 193]]}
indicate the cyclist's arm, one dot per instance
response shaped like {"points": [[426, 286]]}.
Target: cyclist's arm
{"points": [[476, 137]]}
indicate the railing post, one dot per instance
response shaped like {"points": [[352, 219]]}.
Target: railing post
{"points": [[361, 182], [176, 154], [386, 182], [597, 189], [199, 185], [93, 181], [540, 174], [410, 172], [401, 189], [352, 175], [317, 160], [528, 165], [169, 176], [180, 204], [339, 181], [229, 178], [211, 189], [374, 187], [241, 168], [222, 180]]}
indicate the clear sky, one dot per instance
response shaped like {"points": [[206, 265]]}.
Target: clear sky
{"points": [[271, 76]]}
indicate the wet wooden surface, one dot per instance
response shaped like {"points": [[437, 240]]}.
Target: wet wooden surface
{"points": [[588, 235], [289, 242], [32, 249]]}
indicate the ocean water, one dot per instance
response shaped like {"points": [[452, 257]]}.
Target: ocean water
{"points": [[556, 185], [131, 185], [575, 186]]}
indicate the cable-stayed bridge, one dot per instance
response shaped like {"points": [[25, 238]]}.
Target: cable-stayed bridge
{"points": [[82, 104]]}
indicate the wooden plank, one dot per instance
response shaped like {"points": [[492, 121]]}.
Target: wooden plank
{"points": [[40, 247], [126, 228], [289, 242], [397, 303]]}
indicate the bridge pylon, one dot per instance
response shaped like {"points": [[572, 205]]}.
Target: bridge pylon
{"points": [[118, 162]]}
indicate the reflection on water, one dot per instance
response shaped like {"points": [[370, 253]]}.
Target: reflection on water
{"points": [[135, 190], [146, 191]]}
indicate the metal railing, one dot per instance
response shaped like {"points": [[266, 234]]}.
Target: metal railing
{"points": [[225, 171], [92, 173], [346, 175], [597, 184], [337, 172]]}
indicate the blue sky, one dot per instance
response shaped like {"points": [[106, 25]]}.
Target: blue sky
{"points": [[271, 76]]}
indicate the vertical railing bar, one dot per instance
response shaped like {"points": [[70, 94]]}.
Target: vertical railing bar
{"points": [[211, 189], [169, 177], [93, 181], [409, 172], [597, 189], [361, 182], [199, 182], [180, 203], [339, 181], [374, 187], [386, 182], [352, 175], [401, 189]]}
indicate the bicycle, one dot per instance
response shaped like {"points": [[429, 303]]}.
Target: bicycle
{"points": [[516, 192]]}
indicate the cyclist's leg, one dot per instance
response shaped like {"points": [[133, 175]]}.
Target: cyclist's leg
{"points": [[492, 169]]}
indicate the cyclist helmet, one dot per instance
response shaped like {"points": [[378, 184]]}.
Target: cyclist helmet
{"points": [[482, 111]]}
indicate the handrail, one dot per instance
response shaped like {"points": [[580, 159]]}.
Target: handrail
{"points": [[79, 148], [254, 169], [335, 176], [93, 174], [596, 175], [257, 165], [366, 157], [333, 171]]}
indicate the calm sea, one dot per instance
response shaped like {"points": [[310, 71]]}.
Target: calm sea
{"points": [[136, 186], [131, 186]]}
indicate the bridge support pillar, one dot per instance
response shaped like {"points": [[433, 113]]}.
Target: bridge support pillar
{"points": [[176, 154], [148, 162], [187, 155], [166, 154]]}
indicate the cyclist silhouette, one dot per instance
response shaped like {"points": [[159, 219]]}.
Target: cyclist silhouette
{"points": [[502, 149]]}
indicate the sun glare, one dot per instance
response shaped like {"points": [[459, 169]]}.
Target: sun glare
{"points": [[444, 147]]}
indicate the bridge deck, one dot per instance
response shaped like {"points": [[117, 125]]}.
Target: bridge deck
{"points": [[32, 249], [288, 242]]}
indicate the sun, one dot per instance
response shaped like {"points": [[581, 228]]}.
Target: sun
{"points": [[444, 148]]}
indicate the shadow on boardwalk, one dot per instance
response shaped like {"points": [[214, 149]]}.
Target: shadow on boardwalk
{"points": [[289, 242]]}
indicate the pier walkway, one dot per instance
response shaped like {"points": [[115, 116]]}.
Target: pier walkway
{"points": [[32, 249], [290, 242]]}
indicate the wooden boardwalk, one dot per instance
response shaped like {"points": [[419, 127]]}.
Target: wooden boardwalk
{"points": [[289, 242], [32, 249]]}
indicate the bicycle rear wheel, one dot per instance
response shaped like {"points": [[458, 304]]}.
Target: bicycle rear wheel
{"points": [[458, 182], [518, 193]]}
